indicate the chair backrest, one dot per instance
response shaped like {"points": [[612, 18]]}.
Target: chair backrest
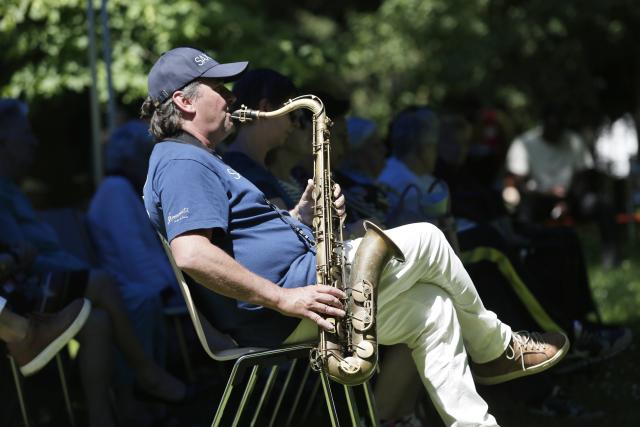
{"points": [[217, 345]]}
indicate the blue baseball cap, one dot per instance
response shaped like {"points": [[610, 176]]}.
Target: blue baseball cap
{"points": [[180, 66]]}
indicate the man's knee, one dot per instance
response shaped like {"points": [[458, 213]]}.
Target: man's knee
{"points": [[439, 325], [422, 233], [442, 313], [424, 310]]}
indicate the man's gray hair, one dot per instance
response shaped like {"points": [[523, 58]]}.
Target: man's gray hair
{"points": [[408, 129], [165, 119]]}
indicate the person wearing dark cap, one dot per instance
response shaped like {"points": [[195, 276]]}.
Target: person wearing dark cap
{"points": [[265, 90], [259, 260]]}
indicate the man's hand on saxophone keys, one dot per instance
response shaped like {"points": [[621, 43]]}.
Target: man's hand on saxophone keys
{"points": [[303, 211], [313, 303]]}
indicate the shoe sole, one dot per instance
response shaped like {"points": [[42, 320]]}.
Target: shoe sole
{"points": [[526, 372], [56, 345]]}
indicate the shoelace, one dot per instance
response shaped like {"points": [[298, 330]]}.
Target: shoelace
{"points": [[524, 341]]}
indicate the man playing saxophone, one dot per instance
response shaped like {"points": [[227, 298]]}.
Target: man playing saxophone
{"points": [[260, 261]]}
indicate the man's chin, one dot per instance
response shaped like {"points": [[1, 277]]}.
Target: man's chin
{"points": [[222, 133]]}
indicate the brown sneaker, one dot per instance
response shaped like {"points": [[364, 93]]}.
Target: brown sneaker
{"points": [[528, 353], [47, 334]]}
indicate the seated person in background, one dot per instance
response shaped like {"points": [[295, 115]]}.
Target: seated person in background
{"points": [[364, 160], [615, 150], [414, 193], [127, 246], [19, 225], [232, 242], [281, 160], [298, 150], [264, 90], [549, 171]]}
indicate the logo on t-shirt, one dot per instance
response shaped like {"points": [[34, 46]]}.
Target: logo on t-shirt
{"points": [[183, 214], [233, 173]]}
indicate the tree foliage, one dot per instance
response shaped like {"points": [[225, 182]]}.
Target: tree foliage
{"points": [[580, 54]]}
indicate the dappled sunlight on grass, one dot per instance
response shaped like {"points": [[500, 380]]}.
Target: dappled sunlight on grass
{"points": [[617, 291]]}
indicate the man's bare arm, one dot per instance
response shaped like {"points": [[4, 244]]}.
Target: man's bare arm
{"points": [[215, 269]]}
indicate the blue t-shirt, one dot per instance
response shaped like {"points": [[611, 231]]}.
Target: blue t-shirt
{"points": [[189, 188]]}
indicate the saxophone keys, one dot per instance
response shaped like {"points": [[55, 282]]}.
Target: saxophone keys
{"points": [[364, 349], [361, 319], [361, 291], [350, 365], [332, 320]]}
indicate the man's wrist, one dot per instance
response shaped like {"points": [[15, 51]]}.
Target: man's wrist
{"points": [[278, 298], [295, 213]]}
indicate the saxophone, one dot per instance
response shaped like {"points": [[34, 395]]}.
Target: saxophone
{"points": [[348, 353]]}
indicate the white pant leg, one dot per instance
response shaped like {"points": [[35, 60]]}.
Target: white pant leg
{"points": [[425, 319], [430, 259], [3, 302]]}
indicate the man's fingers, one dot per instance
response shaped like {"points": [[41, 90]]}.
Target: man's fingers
{"points": [[320, 321], [330, 300], [327, 310], [307, 191], [336, 190], [331, 290]]}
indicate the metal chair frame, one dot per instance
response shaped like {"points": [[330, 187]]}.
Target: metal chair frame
{"points": [[221, 347], [17, 380]]}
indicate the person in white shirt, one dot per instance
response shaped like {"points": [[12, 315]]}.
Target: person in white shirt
{"points": [[548, 178]]}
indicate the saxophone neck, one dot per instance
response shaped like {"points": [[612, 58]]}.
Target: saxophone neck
{"points": [[309, 102]]}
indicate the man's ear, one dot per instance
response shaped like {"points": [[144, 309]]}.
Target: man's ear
{"points": [[183, 103], [264, 105]]}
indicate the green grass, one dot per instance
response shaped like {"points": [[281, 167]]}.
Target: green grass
{"points": [[617, 290]]}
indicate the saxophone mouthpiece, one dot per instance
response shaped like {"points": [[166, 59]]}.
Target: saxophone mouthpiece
{"points": [[244, 114]]}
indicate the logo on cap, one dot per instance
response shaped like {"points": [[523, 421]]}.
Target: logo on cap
{"points": [[201, 59]]}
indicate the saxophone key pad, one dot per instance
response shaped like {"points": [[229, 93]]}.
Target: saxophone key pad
{"points": [[350, 365], [365, 349]]}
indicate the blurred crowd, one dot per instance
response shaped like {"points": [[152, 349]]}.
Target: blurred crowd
{"points": [[508, 204]]}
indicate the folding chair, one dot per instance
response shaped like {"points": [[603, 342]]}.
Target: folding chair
{"points": [[221, 347]]}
